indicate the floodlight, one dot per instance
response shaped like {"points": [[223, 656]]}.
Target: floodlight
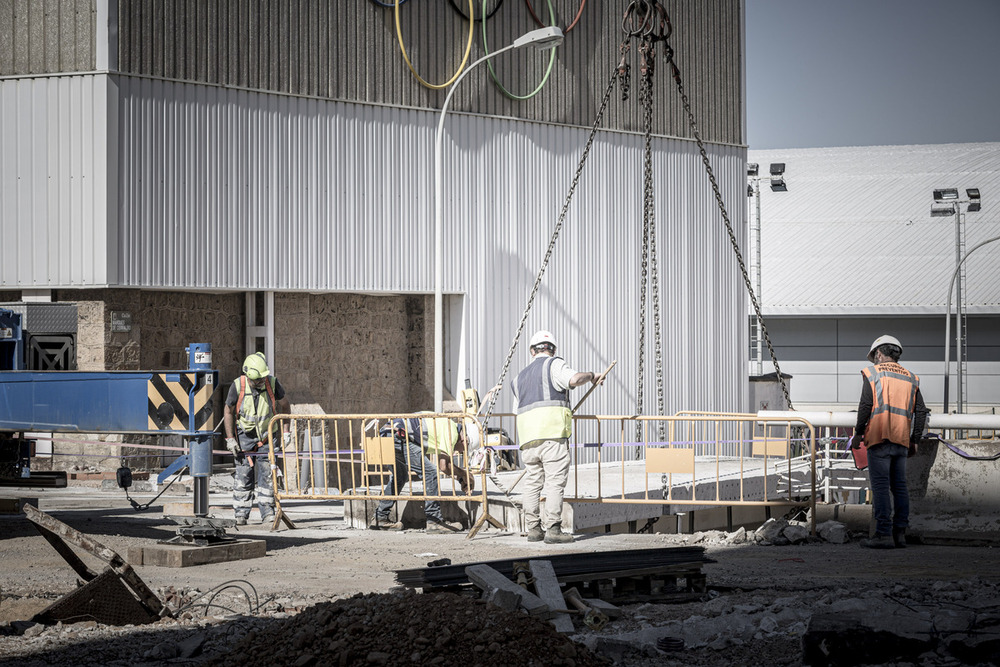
{"points": [[778, 185], [752, 168], [777, 168], [942, 211], [974, 203], [945, 194]]}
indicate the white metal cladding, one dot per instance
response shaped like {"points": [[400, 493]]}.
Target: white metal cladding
{"points": [[853, 234], [223, 189], [54, 185]]}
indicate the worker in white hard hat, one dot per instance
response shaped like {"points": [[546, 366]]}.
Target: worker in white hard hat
{"points": [[254, 397], [891, 419], [544, 425]]}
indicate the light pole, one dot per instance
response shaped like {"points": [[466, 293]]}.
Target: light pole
{"points": [[777, 179], [543, 38], [947, 202], [947, 324]]}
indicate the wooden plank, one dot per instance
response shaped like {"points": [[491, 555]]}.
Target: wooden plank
{"points": [[547, 587], [181, 555], [486, 578]]}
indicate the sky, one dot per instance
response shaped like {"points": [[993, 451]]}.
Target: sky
{"points": [[827, 73]]}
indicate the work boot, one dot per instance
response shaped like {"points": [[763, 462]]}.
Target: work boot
{"points": [[554, 535], [899, 537], [440, 527], [879, 542], [383, 523], [536, 534], [267, 518], [241, 521]]}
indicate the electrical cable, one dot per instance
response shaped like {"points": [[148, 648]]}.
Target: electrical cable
{"points": [[576, 19], [387, 5], [406, 57], [482, 17], [145, 506], [252, 607], [548, 71]]}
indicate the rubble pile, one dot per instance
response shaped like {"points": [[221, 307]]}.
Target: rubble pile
{"points": [[406, 628]]}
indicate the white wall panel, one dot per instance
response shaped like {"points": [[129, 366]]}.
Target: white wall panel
{"points": [[224, 189], [53, 181]]}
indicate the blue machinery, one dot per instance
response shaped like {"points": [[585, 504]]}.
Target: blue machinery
{"points": [[128, 402]]}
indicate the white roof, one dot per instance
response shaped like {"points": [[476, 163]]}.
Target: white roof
{"points": [[853, 235]]}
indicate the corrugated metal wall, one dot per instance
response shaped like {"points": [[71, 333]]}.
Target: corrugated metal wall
{"points": [[349, 50], [225, 189], [45, 36], [54, 183]]}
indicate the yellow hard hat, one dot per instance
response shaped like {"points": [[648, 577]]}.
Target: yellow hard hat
{"points": [[255, 366]]}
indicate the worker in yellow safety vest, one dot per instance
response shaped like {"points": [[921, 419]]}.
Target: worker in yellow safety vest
{"points": [[254, 398], [544, 425], [891, 419], [445, 438]]}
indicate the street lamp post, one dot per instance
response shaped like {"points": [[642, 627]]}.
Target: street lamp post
{"points": [[777, 179], [947, 202], [947, 323], [543, 38]]}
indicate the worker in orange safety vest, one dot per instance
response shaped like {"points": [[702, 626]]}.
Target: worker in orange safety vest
{"points": [[891, 419]]}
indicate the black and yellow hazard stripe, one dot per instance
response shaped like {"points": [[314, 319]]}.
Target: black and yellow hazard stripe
{"points": [[202, 408], [172, 402], [168, 401]]}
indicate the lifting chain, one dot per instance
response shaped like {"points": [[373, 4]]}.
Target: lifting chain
{"points": [[648, 21], [491, 402], [676, 74]]}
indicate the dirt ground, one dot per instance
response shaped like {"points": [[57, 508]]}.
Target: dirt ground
{"points": [[774, 589]]}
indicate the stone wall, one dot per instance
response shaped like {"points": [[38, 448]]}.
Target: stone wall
{"points": [[353, 353]]}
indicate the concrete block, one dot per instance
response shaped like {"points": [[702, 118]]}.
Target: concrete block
{"points": [[178, 555], [952, 497], [795, 533], [833, 532]]}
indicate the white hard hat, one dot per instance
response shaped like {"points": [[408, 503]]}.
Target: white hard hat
{"points": [[879, 342], [542, 337]]}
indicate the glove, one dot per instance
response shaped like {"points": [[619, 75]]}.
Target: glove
{"points": [[856, 440], [286, 439], [233, 445]]}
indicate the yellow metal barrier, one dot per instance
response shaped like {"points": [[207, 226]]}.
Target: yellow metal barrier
{"points": [[695, 459], [690, 459], [354, 457]]}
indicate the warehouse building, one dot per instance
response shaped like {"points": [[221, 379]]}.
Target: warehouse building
{"points": [[260, 176], [854, 245]]}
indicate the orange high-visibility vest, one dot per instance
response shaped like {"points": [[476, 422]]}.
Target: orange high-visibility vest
{"points": [[894, 391]]}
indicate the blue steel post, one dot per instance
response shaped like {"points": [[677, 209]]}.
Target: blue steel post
{"points": [[200, 445]]}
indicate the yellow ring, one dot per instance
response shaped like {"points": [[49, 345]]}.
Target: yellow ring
{"points": [[465, 58]]}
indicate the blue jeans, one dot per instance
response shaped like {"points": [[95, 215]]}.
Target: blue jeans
{"points": [[422, 466], [887, 473]]}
